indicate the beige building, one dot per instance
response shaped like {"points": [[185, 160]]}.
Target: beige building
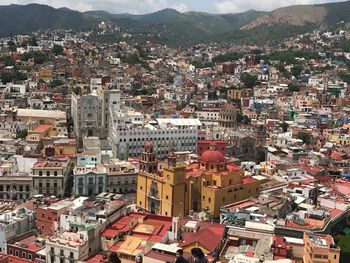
{"points": [[320, 248], [16, 186], [49, 176], [58, 119]]}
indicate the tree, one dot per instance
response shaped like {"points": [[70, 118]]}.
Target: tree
{"points": [[306, 138], [7, 60], [33, 42], [12, 45], [293, 87], [39, 57], [56, 83], [284, 126], [21, 134], [226, 57], [296, 70], [248, 80], [57, 50], [244, 119], [344, 77], [113, 258], [77, 90]]}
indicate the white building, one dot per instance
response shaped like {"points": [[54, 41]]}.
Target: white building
{"points": [[13, 224], [67, 247], [208, 116], [166, 134]]}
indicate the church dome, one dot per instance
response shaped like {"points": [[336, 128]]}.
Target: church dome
{"points": [[148, 146], [212, 155]]}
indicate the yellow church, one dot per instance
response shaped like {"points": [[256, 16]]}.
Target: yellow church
{"points": [[179, 188]]}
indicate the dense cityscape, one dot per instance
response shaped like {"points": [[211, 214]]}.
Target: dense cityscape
{"points": [[133, 150]]}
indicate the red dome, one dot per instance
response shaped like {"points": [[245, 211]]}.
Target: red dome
{"points": [[212, 156], [148, 145]]}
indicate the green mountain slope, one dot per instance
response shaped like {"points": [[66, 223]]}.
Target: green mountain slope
{"points": [[18, 19], [171, 27]]}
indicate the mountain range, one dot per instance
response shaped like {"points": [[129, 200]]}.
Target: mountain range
{"points": [[169, 26]]}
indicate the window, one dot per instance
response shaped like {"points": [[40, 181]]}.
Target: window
{"points": [[71, 255], [55, 173], [24, 255], [48, 173], [40, 173], [166, 197], [209, 200], [29, 256], [16, 253]]}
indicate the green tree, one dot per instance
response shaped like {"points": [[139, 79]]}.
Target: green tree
{"points": [[293, 87], [284, 126], [12, 45], [297, 69], [39, 57], [6, 78], [57, 50], [56, 83], [33, 42], [131, 59], [306, 138], [77, 90], [248, 80], [226, 57], [344, 77], [22, 134], [7, 60]]}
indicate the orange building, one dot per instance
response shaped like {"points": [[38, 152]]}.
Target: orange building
{"points": [[320, 248], [177, 189]]}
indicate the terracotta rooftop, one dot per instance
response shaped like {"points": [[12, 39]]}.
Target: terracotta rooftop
{"points": [[28, 244], [42, 128]]}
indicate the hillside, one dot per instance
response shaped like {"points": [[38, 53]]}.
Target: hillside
{"points": [[171, 27], [18, 19], [298, 15]]}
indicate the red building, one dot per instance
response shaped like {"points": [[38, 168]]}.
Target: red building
{"points": [[48, 218], [4, 258], [204, 145], [27, 249], [280, 248], [228, 68]]}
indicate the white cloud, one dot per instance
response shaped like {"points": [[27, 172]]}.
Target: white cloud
{"points": [[181, 7], [234, 6]]}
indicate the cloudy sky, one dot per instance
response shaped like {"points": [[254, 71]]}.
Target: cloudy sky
{"points": [[146, 6]]}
